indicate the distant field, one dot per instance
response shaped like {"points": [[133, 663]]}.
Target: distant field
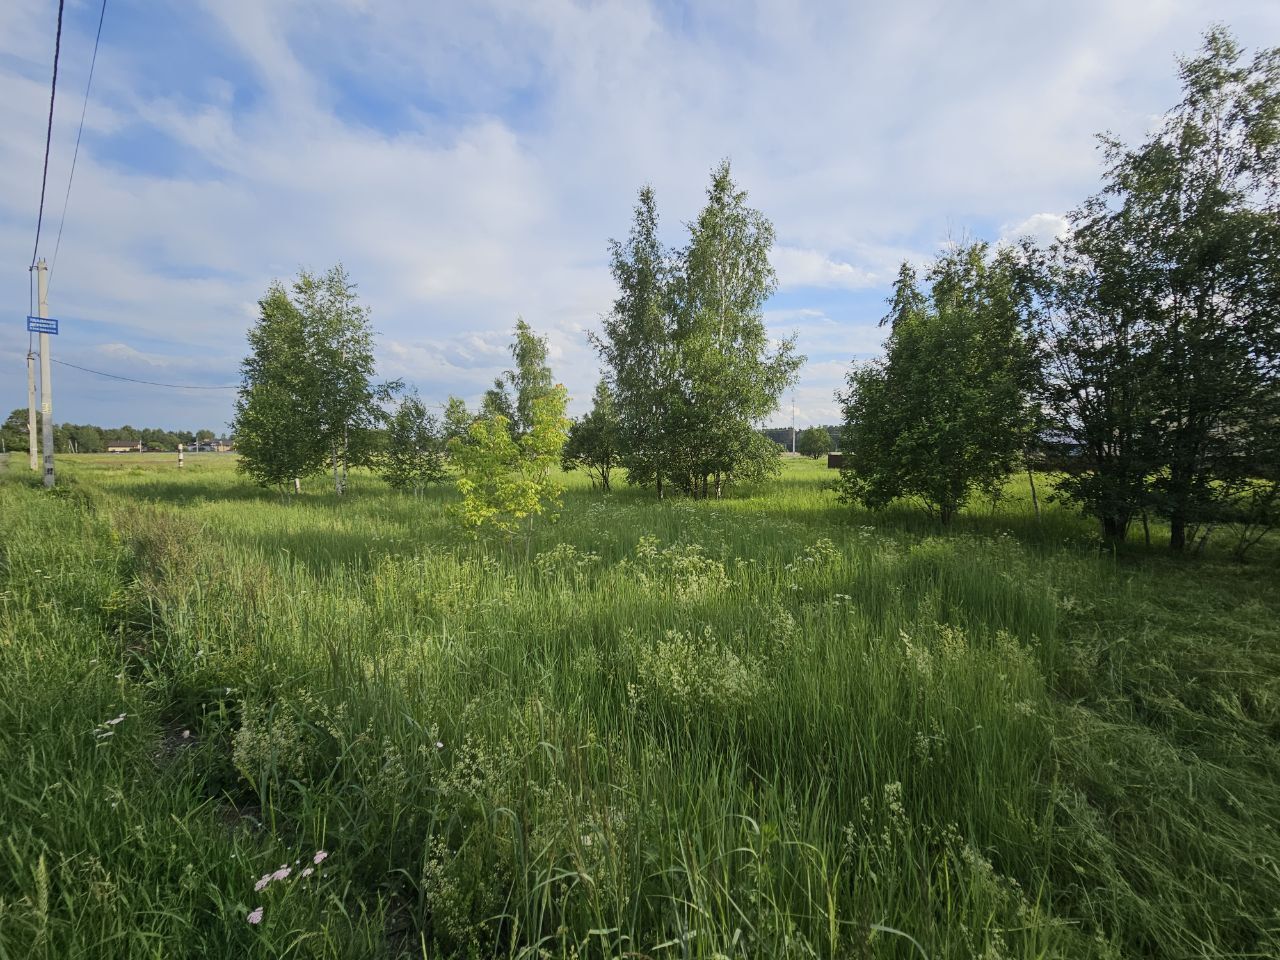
{"points": [[768, 726]]}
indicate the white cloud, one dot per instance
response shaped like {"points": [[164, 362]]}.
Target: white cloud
{"points": [[810, 268], [1042, 228], [488, 151]]}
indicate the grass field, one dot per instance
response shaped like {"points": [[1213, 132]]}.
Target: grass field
{"points": [[769, 726]]}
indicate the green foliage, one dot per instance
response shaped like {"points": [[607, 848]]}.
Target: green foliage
{"points": [[14, 430], [413, 455], [595, 442], [306, 390], [277, 413], [507, 482], [529, 380], [946, 412], [1162, 327], [687, 351], [814, 442], [457, 419]]}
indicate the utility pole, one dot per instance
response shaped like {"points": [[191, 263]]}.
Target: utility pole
{"points": [[32, 449], [46, 378]]}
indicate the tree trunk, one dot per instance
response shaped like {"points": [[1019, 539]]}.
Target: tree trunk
{"points": [[346, 447], [337, 483], [719, 485], [1114, 528], [1035, 501], [1177, 534]]}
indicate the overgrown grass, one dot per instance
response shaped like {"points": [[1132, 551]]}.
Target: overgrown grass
{"points": [[769, 726]]}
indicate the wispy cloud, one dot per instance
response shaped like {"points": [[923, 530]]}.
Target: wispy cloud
{"points": [[468, 162]]}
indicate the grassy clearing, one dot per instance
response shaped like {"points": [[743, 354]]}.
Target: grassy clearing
{"points": [[770, 726]]}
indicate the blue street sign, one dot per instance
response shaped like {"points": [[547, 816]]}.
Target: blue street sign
{"points": [[42, 325]]}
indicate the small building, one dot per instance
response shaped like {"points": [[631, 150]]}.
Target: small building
{"points": [[124, 446], [835, 461]]}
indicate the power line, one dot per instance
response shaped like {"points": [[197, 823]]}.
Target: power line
{"points": [[83, 110], [149, 383], [48, 136]]}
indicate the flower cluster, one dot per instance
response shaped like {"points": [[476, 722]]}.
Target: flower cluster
{"points": [[282, 873], [106, 729]]}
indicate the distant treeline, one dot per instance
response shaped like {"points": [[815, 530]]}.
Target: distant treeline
{"points": [[89, 438], [782, 435]]}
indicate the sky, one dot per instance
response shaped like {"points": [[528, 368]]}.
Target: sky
{"points": [[469, 162]]}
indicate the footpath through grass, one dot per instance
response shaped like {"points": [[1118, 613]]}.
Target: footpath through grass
{"points": [[770, 726]]}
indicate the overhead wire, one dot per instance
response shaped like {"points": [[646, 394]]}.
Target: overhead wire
{"points": [[150, 383], [93, 61], [48, 136]]}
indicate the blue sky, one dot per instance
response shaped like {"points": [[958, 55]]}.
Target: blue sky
{"points": [[469, 161]]}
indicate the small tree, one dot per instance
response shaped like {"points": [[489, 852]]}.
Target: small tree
{"points": [[947, 411], [276, 403], [814, 442], [506, 482], [457, 419], [414, 454], [595, 441], [306, 394], [513, 393]]}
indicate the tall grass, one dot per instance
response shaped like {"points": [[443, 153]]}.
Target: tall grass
{"points": [[769, 726]]}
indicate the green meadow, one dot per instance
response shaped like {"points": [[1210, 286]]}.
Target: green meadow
{"points": [[766, 726]]}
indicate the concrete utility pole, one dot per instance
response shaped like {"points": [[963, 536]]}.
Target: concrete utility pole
{"points": [[46, 378], [32, 448]]}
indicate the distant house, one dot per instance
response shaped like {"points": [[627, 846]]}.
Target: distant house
{"points": [[835, 461], [124, 446], [220, 445]]}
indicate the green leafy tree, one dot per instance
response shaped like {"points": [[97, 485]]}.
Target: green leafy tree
{"points": [[1165, 321], [514, 392], [637, 348], [729, 376], [14, 431], [204, 435], [276, 411], [497, 402], [814, 442], [457, 419], [413, 455], [947, 410], [506, 483], [594, 442], [1097, 366], [686, 347], [1202, 197], [347, 404], [306, 393]]}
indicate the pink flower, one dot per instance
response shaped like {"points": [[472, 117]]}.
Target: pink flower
{"points": [[262, 883], [320, 857], [255, 916], [307, 871], [112, 723], [282, 873]]}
